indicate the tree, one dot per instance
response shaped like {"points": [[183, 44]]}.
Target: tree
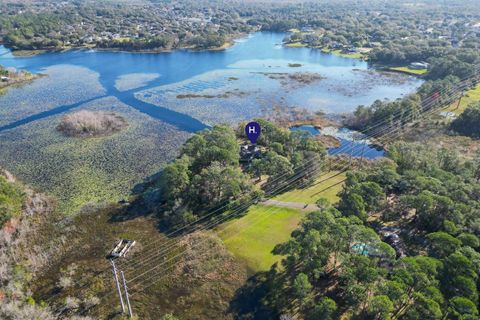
{"points": [[278, 165], [380, 307], [302, 286], [459, 277], [464, 287], [11, 200], [217, 144], [258, 168], [423, 308], [442, 244], [352, 204], [216, 184], [462, 308], [174, 179], [325, 309], [372, 194], [467, 122], [431, 209], [469, 239]]}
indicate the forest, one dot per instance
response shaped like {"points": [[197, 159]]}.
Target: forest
{"points": [[393, 34], [209, 175], [336, 263]]}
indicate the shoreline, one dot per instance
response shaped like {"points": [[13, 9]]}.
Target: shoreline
{"points": [[34, 52], [406, 72], [20, 83]]}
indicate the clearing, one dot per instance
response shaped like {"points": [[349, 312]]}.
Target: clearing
{"points": [[407, 70], [295, 45], [327, 186], [340, 53], [252, 237], [471, 96]]}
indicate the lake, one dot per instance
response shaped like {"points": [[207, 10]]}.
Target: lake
{"points": [[352, 143], [240, 83], [164, 97]]}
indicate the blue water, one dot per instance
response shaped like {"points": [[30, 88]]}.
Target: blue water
{"points": [[348, 145], [183, 64]]}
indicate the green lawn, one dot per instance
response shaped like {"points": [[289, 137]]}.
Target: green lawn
{"points": [[471, 96], [327, 186], [252, 237], [356, 55], [417, 72], [295, 45]]}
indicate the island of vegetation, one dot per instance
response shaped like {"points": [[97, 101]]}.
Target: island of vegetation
{"points": [[86, 123], [11, 77]]}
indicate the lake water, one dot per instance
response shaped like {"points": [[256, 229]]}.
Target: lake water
{"points": [[192, 90], [351, 142], [164, 97]]}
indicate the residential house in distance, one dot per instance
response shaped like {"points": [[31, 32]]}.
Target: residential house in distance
{"points": [[419, 65]]}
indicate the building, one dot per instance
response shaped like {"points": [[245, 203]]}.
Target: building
{"points": [[249, 152], [419, 65]]}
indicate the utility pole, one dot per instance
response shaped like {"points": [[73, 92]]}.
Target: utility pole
{"points": [[126, 295], [115, 277], [459, 101], [353, 150], [363, 148]]}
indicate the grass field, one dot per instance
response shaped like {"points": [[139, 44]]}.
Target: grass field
{"points": [[295, 45], [416, 72], [252, 237], [470, 97], [328, 186], [356, 55]]}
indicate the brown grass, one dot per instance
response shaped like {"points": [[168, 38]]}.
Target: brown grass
{"points": [[85, 123]]}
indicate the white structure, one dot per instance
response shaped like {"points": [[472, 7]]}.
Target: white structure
{"points": [[121, 248], [419, 65]]}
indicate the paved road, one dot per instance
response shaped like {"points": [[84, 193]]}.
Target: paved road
{"points": [[293, 205]]}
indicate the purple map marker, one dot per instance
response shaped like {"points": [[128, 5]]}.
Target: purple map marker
{"points": [[252, 130]]}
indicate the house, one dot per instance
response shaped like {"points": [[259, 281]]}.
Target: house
{"points": [[249, 152], [350, 49], [391, 235], [419, 65], [307, 29]]}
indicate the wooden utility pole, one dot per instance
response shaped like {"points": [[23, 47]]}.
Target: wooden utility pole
{"points": [[115, 277], [126, 295], [459, 101]]}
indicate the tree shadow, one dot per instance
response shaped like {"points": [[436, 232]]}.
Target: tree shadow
{"points": [[137, 206], [250, 301]]}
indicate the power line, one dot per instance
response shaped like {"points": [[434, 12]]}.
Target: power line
{"points": [[377, 132], [202, 227], [157, 266]]}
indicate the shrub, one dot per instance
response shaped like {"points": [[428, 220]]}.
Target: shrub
{"points": [[467, 122], [11, 200]]}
